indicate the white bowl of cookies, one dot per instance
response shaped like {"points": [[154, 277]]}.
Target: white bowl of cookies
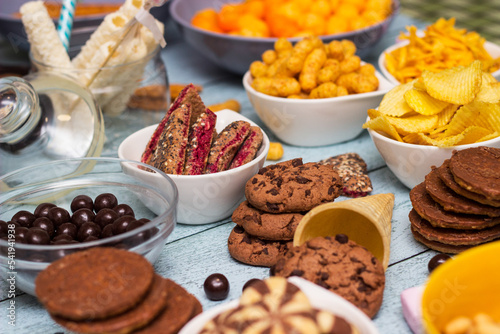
{"points": [[326, 307], [209, 156]]}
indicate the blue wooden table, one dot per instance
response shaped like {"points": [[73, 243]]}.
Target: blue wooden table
{"points": [[193, 252]]}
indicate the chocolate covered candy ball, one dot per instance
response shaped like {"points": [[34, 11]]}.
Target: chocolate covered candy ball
{"points": [[216, 287], [106, 200], [81, 202]]}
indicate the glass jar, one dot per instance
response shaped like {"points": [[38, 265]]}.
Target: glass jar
{"points": [[113, 86], [47, 116]]}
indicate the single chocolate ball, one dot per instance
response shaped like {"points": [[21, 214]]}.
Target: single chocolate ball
{"points": [[68, 229], [437, 260], [105, 200], [87, 230], [58, 216], [105, 217], [216, 287], [107, 231], [250, 282], [124, 210], [81, 202], [120, 225], [63, 236], [42, 210], [45, 224], [20, 234], [82, 216], [37, 236], [23, 217]]}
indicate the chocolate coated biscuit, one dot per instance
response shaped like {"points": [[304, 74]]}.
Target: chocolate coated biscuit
{"points": [[140, 315], [477, 169], [446, 176], [431, 211], [438, 246], [254, 251], [285, 188], [268, 226], [94, 284], [451, 201], [339, 265]]}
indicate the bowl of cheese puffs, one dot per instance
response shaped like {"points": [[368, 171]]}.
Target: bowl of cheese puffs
{"points": [[232, 34], [311, 93]]}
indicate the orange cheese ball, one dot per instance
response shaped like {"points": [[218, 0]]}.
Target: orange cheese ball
{"points": [[292, 18]]}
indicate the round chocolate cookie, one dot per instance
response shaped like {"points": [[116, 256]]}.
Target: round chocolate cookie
{"points": [[137, 317], [293, 188], [451, 201], [446, 176], [450, 236], [268, 226], [94, 284], [340, 265], [477, 169], [254, 251], [181, 307], [431, 211]]}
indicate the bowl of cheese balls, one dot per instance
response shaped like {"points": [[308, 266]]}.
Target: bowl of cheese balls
{"points": [[311, 93], [77, 204]]}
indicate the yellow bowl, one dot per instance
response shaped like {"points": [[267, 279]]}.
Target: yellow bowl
{"points": [[365, 220], [465, 286]]}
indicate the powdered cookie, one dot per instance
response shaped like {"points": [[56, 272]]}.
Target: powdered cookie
{"points": [[450, 236], [254, 251], [94, 284], [340, 265], [152, 304], [293, 188], [446, 176], [431, 211], [451, 201], [477, 169], [181, 306], [268, 226], [353, 171]]}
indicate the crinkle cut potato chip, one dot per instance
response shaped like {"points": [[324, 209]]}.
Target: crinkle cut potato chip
{"points": [[426, 120], [457, 85]]}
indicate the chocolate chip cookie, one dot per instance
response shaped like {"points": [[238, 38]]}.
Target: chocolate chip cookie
{"points": [[477, 169], [254, 251], [340, 265], [293, 187], [267, 226]]}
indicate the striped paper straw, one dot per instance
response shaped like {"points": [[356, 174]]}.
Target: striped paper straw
{"points": [[66, 21]]}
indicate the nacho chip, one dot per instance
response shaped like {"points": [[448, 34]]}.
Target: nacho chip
{"points": [[457, 85], [382, 125], [393, 103], [423, 103]]}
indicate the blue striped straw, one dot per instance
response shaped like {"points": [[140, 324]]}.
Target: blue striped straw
{"points": [[66, 21]]}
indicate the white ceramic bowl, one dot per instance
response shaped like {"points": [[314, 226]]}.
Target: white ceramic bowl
{"points": [[318, 296], [315, 122], [492, 49], [202, 198], [410, 162]]}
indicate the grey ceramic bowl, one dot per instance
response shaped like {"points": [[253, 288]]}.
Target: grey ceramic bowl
{"points": [[237, 53]]}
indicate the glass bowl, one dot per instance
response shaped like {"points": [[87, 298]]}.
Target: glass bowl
{"points": [[59, 182], [113, 86]]}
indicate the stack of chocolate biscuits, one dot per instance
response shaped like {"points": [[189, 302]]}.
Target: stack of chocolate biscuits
{"points": [[458, 204], [108, 290], [277, 198]]}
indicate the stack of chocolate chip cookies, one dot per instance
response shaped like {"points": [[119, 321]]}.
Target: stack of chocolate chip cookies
{"points": [[108, 290], [277, 198], [458, 204]]}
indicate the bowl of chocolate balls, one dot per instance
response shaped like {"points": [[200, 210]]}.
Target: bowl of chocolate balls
{"points": [[53, 209]]}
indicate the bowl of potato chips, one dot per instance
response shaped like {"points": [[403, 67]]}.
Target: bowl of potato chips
{"points": [[418, 124], [438, 47]]}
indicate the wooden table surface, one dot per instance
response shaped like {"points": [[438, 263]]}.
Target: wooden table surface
{"points": [[192, 253]]}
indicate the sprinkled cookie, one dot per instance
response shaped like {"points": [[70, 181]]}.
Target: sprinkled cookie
{"points": [[340, 265], [254, 251], [291, 186], [267, 226], [353, 171]]}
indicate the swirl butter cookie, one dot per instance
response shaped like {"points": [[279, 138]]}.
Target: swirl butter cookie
{"points": [[291, 186], [339, 265], [267, 226]]}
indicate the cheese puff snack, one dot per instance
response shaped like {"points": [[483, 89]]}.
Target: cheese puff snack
{"points": [[312, 70]]}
